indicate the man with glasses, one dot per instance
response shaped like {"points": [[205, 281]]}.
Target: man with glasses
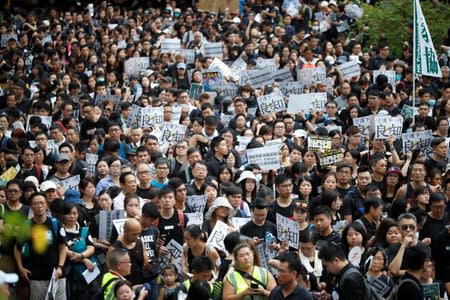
{"points": [[119, 266], [284, 204], [162, 173], [344, 173], [199, 173], [407, 223]]}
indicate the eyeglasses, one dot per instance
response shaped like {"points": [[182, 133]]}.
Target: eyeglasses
{"points": [[408, 226], [162, 168], [125, 262]]}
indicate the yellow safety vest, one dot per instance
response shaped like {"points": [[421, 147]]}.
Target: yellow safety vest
{"points": [[240, 284]]}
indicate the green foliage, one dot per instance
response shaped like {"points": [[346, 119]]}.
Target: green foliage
{"points": [[389, 20]]}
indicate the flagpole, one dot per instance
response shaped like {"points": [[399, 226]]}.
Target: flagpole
{"points": [[414, 59]]}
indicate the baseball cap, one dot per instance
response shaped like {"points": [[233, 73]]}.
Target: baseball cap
{"points": [[48, 185], [62, 157], [167, 79], [181, 66]]}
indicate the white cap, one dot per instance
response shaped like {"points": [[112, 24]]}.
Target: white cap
{"points": [[248, 174], [300, 133], [332, 2], [8, 277], [46, 185], [34, 180], [236, 20], [324, 4]]}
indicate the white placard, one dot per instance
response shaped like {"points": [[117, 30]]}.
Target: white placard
{"points": [[217, 236], [5, 38], [170, 45], [172, 133], [189, 55], [350, 69], [266, 254], [134, 118], [309, 75], [174, 256], [229, 89], [416, 140], [46, 120], [239, 222], [307, 102], [176, 114], [90, 276], [71, 183], [257, 78], [386, 126], [151, 116], [195, 218], [283, 74], [213, 50], [218, 65], [389, 74], [288, 230], [363, 124], [119, 224], [134, 65], [196, 203], [91, 160], [267, 157], [106, 218], [291, 88], [316, 143], [270, 103], [269, 63]]}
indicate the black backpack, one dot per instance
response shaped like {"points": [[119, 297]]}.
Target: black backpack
{"points": [[98, 291], [394, 293], [369, 292]]}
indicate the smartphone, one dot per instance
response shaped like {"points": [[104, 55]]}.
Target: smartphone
{"points": [[254, 285]]}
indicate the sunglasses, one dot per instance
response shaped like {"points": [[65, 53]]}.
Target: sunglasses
{"points": [[408, 226]]}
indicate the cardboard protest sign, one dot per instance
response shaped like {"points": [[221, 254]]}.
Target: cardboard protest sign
{"points": [[118, 224], [196, 203], [331, 158], [350, 69], [211, 80], [91, 160], [172, 133], [267, 157], [307, 102], [229, 89], [288, 230], [134, 65], [6, 37], [189, 55], [151, 116], [71, 183], [316, 143], [176, 114], [257, 78], [174, 256], [416, 140], [195, 91], [386, 126], [170, 45], [363, 124], [217, 236], [309, 75], [431, 291], [218, 65], [209, 6], [266, 254], [408, 112], [134, 118], [291, 88], [273, 102], [46, 120], [343, 26], [283, 74], [195, 218], [389, 74], [269, 63], [106, 218], [213, 50], [100, 99], [239, 222]]}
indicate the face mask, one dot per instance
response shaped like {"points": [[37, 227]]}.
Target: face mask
{"points": [[315, 28], [258, 176], [432, 103], [230, 109]]}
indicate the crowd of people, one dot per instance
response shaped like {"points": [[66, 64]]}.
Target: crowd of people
{"points": [[96, 200]]}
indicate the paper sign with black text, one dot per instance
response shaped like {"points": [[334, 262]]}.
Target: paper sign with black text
{"points": [[239, 222], [416, 140], [331, 158], [309, 75], [283, 74], [91, 160], [363, 124], [270, 103], [106, 218], [134, 65], [151, 116], [386, 126], [213, 50], [134, 118], [317, 143], [291, 88], [195, 218], [172, 133], [288, 230], [307, 102], [71, 183], [267, 157], [196, 203], [217, 236], [170, 45], [350, 69]]}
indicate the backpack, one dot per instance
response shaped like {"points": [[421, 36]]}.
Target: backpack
{"points": [[98, 292], [369, 292], [394, 293]]}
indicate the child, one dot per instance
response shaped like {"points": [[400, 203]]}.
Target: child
{"points": [[322, 219], [170, 276]]}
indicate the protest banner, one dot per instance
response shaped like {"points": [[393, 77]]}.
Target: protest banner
{"points": [[309, 75], [9, 175], [267, 157], [176, 114], [408, 112], [273, 102], [269, 63], [266, 254], [134, 65], [71, 183], [306, 102], [363, 124], [211, 80], [390, 74], [229, 89], [195, 218], [118, 224], [283, 74], [239, 64], [106, 218], [331, 158], [174, 256], [316, 143], [195, 91], [196, 203], [257, 78], [172, 133], [6, 38], [288, 230], [46, 120], [151, 116], [431, 291], [217, 236], [189, 55], [170, 45], [343, 26], [349, 69], [91, 160], [386, 126], [100, 99], [291, 88], [416, 140], [134, 118], [239, 222], [218, 65], [213, 50], [209, 6]]}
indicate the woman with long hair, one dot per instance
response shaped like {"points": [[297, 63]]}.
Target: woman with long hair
{"points": [[387, 234], [249, 185], [221, 210], [90, 208], [354, 236]]}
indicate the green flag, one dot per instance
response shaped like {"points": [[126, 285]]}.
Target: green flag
{"points": [[426, 62]]}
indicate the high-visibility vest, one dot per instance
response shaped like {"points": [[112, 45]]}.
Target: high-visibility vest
{"points": [[240, 284]]}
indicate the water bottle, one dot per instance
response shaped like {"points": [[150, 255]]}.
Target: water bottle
{"points": [[268, 238]]}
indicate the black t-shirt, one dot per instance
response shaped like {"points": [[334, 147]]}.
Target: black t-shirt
{"points": [[88, 128], [275, 208], [392, 250], [251, 229], [143, 193], [409, 290], [171, 228], [332, 237], [433, 227], [441, 254], [137, 260], [149, 237], [41, 265], [353, 284]]}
